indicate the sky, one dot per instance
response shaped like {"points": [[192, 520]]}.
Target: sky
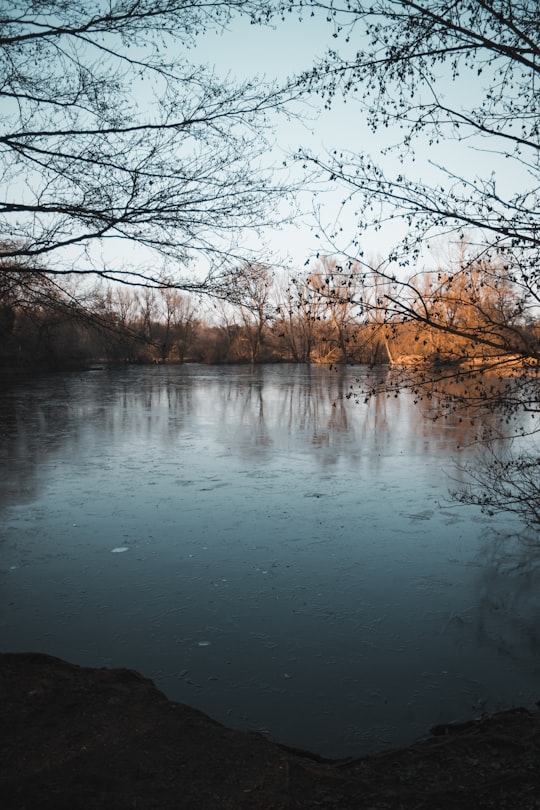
{"points": [[290, 47], [245, 51], [277, 53]]}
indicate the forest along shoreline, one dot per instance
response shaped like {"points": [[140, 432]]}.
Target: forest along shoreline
{"points": [[324, 316]]}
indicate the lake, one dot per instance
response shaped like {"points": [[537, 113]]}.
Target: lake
{"points": [[268, 550]]}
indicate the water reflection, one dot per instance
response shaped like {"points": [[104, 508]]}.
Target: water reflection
{"points": [[254, 408], [291, 562], [508, 590]]}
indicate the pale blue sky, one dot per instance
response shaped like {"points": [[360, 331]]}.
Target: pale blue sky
{"points": [[246, 51], [290, 47], [277, 53]]}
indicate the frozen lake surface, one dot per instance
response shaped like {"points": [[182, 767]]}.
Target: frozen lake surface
{"points": [[266, 549]]}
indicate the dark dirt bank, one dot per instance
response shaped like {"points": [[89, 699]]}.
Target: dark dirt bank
{"points": [[72, 737]]}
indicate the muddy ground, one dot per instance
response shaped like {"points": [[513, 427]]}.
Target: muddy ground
{"points": [[73, 737]]}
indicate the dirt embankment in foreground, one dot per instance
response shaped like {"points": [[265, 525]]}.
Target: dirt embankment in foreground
{"points": [[73, 737]]}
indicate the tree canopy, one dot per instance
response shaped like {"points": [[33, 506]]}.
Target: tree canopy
{"points": [[452, 90], [460, 81], [110, 136]]}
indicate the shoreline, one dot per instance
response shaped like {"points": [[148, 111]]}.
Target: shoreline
{"points": [[89, 738]]}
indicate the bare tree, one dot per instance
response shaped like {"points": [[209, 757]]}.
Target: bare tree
{"points": [[337, 294], [178, 321], [249, 288], [297, 318], [464, 74], [502, 481], [109, 137]]}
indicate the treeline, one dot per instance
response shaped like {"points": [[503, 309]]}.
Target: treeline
{"points": [[165, 326], [338, 313]]}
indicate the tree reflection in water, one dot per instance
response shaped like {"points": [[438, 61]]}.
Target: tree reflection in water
{"points": [[295, 529], [508, 587]]}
